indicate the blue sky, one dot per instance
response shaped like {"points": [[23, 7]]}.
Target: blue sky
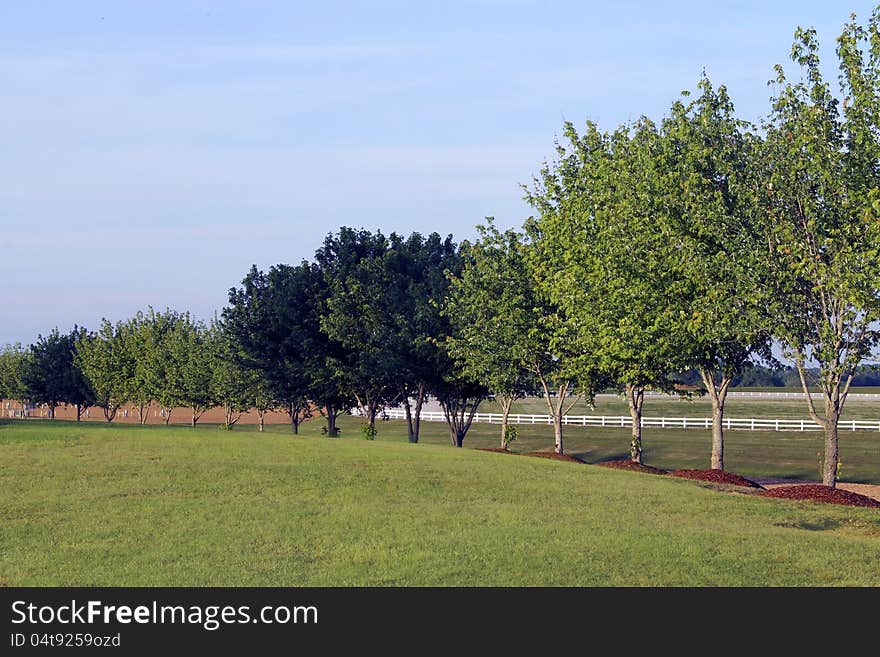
{"points": [[150, 152]]}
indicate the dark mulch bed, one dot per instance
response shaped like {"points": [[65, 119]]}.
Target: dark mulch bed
{"points": [[717, 476], [819, 493], [627, 464], [554, 455]]}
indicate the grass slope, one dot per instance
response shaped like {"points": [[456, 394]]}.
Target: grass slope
{"points": [[107, 505]]}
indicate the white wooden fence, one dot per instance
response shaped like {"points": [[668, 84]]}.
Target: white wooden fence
{"points": [[751, 424], [769, 394]]}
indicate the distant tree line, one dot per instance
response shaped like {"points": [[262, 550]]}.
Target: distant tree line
{"points": [[656, 249]]}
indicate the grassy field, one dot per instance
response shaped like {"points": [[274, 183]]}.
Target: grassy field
{"points": [[736, 407], [107, 505]]}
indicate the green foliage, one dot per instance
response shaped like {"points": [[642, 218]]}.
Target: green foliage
{"points": [[709, 169], [497, 337], [108, 365], [273, 321], [51, 375], [13, 366], [822, 217], [369, 431], [510, 434]]}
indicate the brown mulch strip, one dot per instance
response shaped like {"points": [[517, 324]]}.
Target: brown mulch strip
{"points": [[717, 476], [627, 464], [499, 450], [554, 455], [819, 493]]}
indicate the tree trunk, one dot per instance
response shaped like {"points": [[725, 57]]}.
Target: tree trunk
{"points": [[195, 417], [557, 434], [407, 408], [829, 466], [110, 412], [79, 411], [556, 411], [718, 395], [167, 416], [293, 413], [143, 409], [51, 411], [262, 414], [717, 462], [459, 413], [635, 396], [413, 419], [506, 404], [331, 412], [834, 401]]}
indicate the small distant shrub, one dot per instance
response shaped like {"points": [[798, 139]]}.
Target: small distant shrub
{"points": [[369, 432], [510, 434]]}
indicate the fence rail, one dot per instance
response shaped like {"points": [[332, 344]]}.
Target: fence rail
{"points": [[748, 424], [766, 393]]}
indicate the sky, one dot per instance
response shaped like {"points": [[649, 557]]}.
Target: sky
{"points": [[150, 152]]}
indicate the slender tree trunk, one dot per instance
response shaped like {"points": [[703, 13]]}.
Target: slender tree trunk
{"points": [[832, 419], [718, 396], [293, 414], [369, 408], [506, 404], [635, 395], [557, 434], [331, 412], [167, 415], [834, 401], [195, 417], [410, 434], [143, 410], [110, 412], [79, 411], [413, 415], [51, 411], [459, 413], [262, 415], [556, 411]]}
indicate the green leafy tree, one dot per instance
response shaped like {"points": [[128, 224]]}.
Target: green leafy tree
{"points": [[13, 365], [418, 267], [197, 370], [359, 312], [604, 260], [142, 337], [168, 341], [52, 376], [106, 363], [460, 397], [273, 319], [497, 337], [231, 380], [708, 166], [821, 222]]}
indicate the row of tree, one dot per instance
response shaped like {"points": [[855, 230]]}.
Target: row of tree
{"points": [[688, 244]]}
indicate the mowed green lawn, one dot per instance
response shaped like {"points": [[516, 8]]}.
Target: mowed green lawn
{"points": [[773, 454], [93, 504]]}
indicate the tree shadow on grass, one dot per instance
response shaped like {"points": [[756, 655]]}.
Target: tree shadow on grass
{"points": [[586, 458]]}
